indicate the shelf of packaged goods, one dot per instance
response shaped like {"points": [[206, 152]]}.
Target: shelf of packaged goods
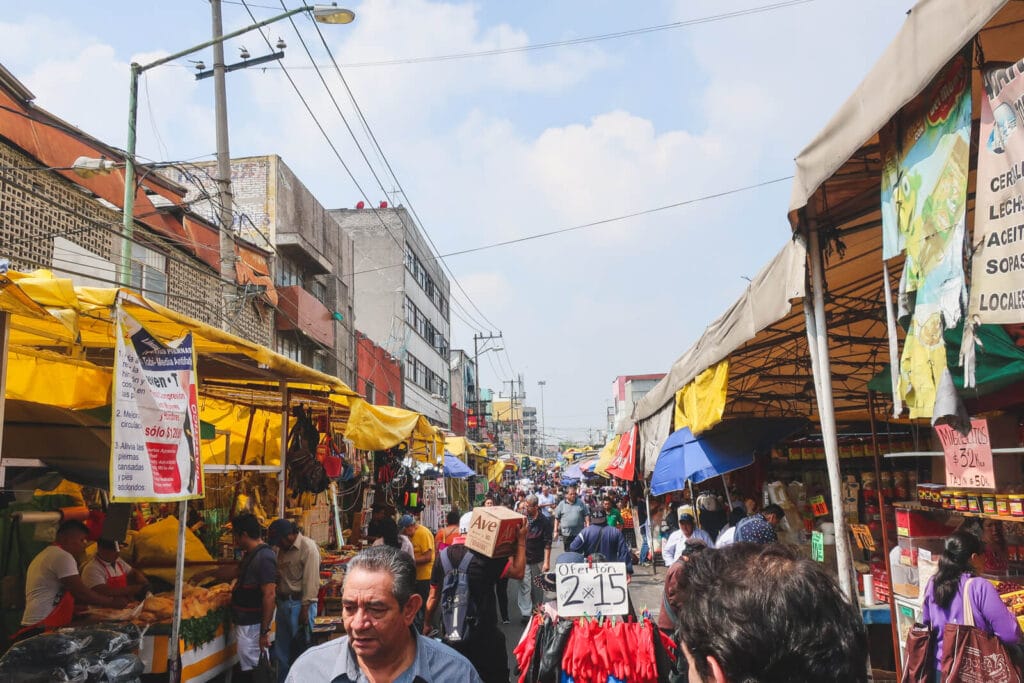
{"points": [[907, 505]]}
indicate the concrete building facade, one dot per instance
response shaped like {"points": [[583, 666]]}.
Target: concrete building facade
{"points": [[402, 303], [313, 263], [378, 373], [626, 391]]}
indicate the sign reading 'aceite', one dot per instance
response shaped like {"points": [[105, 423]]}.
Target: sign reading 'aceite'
{"points": [[968, 458], [589, 590]]}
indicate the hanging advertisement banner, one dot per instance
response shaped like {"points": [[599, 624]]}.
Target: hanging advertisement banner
{"points": [[155, 421], [926, 154], [997, 267], [623, 465]]}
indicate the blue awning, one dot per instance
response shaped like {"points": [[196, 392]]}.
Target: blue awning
{"points": [[729, 446], [455, 468]]}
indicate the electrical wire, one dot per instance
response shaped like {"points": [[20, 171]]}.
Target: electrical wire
{"points": [[574, 41], [597, 223], [398, 184]]}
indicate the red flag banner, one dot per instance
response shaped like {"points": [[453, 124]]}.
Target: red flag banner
{"points": [[624, 463]]}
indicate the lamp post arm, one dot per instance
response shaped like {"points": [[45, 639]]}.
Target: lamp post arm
{"points": [[226, 36], [128, 224]]}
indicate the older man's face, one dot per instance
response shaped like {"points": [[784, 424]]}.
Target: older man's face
{"points": [[377, 626]]}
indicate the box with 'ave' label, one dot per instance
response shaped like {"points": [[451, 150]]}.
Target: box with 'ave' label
{"points": [[494, 531]]}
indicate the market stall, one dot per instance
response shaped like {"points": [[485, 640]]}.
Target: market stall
{"points": [[244, 396]]}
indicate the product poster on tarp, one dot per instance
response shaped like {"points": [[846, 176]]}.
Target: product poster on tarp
{"points": [[926, 154], [997, 267], [155, 420]]}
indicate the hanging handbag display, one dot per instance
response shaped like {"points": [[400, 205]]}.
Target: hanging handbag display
{"points": [[919, 655], [970, 655]]}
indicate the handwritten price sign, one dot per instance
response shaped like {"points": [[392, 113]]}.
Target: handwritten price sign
{"points": [[818, 506], [968, 458], [584, 590]]}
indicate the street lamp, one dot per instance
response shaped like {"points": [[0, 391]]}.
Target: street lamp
{"points": [[326, 14]]}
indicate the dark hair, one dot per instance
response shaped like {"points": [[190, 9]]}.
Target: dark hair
{"points": [[954, 563], [389, 532], [453, 516], [767, 615], [736, 515], [106, 544], [773, 509], [384, 559], [72, 525], [247, 524]]}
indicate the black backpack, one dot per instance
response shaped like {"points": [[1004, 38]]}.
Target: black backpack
{"points": [[458, 611]]}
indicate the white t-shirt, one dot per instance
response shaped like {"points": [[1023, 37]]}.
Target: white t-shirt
{"points": [[43, 589], [96, 571], [547, 501]]}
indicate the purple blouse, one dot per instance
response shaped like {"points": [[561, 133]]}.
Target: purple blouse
{"points": [[990, 614]]}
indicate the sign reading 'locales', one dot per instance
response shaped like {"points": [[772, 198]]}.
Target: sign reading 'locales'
{"points": [[591, 590], [968, 458]]}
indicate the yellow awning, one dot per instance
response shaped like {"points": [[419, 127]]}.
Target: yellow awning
{"points": [[374, 428], [701, 403], [607, 454], [495, 470], [460, 446]]}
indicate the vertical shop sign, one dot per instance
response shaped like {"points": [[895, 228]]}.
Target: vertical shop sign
{"points": [[925, 159], [997, 267], [817, 546], [155, 422], [968, 457]]}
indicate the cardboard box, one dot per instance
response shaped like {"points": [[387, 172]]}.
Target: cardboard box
{"points": [[494, 531]]}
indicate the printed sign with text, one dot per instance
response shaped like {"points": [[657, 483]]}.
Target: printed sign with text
{"points": [[968, 458], [585, 590], [155, 423]]}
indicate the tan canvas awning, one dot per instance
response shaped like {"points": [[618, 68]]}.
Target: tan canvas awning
{"points": [[840, 169], [767, 299]]}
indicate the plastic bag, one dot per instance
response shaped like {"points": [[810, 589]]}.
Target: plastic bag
{"points": [[123, 669], [100, 641], [55, 649], [131, 631]]}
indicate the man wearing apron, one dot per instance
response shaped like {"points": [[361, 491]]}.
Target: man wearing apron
{"points": [[108, 574], [52, 583]]}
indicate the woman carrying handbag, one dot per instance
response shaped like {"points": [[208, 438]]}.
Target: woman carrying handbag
{"points": [[966, 615]]}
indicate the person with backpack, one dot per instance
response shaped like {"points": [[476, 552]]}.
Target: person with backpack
{"points": [[463, 585], [600, 538]]}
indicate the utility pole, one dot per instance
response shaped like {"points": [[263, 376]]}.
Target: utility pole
{"points": [[543, 449], [224, 194], [477, 338], [512, 414]]}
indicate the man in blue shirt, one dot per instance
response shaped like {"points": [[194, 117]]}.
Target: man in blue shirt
{"points": [[379, 603], [604, 539], [760, 526]]}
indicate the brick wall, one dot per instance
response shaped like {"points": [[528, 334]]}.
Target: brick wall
{"points": [[38, 206]]}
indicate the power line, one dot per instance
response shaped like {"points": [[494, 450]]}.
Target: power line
{"points": [[394, 176], [574, 41], [603, 221]]}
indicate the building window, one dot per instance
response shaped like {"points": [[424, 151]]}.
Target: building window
{"points": [[370, 392], [319, 290], [320, 361], [288, 274], [149, 273], [289, 348], [391, 398]]}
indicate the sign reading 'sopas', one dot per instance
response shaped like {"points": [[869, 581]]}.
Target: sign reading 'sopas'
{"points": [[155, 417]]}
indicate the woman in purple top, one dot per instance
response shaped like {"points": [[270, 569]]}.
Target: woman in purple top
{"points": [[962, 558]]}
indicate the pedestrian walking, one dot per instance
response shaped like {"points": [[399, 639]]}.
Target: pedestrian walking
{"points": [[298, 590], [423, 548], [601, 538], [538, 559], [687, 530], [570, 517]]}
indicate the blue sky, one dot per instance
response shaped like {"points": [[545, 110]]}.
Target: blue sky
{"points": [[498, 147]]}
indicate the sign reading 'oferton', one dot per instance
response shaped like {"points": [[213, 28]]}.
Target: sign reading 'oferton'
{"points": [[968, 458], [155, 421], [589, 590]]}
